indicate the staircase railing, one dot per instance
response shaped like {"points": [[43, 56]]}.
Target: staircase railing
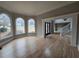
{"points": [[66, 29]]}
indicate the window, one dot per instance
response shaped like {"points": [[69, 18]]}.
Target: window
{"points": [[5, 26], [31, 26], [20, 26], [47, 28]]}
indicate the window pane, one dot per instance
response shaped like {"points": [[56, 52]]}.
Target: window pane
{"points": [[46, 28], [20, 26], [5, 26], [31, 26]]}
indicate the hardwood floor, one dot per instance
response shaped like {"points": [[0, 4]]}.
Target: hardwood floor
{"points": [[32, 47]]}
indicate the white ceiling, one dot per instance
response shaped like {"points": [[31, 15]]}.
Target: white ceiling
{"points": [[32, 7]]}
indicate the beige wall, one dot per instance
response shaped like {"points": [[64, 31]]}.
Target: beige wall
{"points": [[39, 27]]}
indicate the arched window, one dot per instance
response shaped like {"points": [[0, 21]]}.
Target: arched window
{"points": [[20, 26], [5, 26], [31, 26]]}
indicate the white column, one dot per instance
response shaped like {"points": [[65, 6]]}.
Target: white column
{"points": [[74, 31]]}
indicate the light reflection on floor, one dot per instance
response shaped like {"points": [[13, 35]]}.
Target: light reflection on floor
{"points": [[37, 47]]}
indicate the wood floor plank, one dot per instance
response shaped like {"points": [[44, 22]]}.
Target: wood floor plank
{"points": [[33, 47]]}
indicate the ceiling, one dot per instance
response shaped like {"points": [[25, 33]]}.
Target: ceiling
{"points": [[32, 8]]}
